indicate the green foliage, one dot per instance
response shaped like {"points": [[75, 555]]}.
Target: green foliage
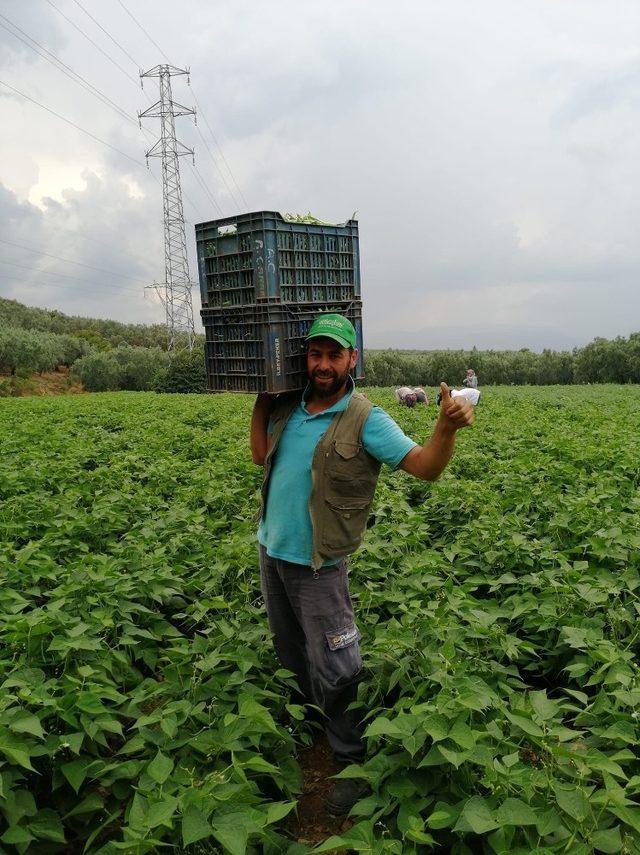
{"points": [[141, 704], [34, 351], [307, 218], [100, 334], [99, 371], [184, 373], [124, 367], [602, 361]]}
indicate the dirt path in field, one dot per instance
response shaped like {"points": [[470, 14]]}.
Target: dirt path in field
{"points": [[311, 824]]}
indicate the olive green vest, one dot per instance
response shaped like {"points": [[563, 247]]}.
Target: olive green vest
{"points": [[343, 475]]}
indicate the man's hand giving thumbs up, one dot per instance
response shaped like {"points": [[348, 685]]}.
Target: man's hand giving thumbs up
{"points": [[455, 413], [428, 461]]}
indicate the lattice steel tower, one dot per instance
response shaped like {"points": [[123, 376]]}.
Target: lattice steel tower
{"points": [[177, 285]]}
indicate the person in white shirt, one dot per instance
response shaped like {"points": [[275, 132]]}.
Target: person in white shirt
{"points": [[472, 395]]}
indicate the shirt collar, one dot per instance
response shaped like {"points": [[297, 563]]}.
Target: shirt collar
{"points": [[340, 405]]}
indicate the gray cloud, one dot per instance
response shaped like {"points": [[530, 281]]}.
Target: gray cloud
{"points": [[490, 151]]}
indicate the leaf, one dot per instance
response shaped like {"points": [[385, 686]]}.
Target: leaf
{"points": [[624, 731], [456, 758], [73, 740], [476, 816], [47, 825], [381, 726], [26, 723], [16, 750], [525, 724], [515, 812], [92, 803], [436, 726], [235, 840], [462, 735], [259, 764], [359, 838], [549, 822], [572, 801], [160, 768], [627, 814], [195, 826], [543, 707], [161, 813], [443, 816], [16, 834], [75, 772], [608, 840], [278, 810]]}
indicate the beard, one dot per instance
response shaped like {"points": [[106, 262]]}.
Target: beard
{"points": [[337, 382]]}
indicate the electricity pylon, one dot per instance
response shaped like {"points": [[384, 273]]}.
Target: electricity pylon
{"points": [[176, 298]]}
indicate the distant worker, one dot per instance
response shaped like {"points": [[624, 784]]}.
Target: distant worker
{"points": [[471, 380], [471, 395], [406, 396], [409, 397]]}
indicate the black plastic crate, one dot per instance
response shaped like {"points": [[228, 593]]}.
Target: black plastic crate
{"points": [[262, 256], [261, 348]]}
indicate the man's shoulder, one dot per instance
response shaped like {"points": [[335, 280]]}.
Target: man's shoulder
{"points": [[378, 417], [360, 401]]}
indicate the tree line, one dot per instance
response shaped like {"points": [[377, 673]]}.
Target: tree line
{"points": [[100, 334], [107, 355], [104, 355], [600, 361]]}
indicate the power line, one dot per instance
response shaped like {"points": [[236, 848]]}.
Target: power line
{"points": [[64, 276], [98, 24], [97, 46], [215, 163], [194, 207], [82, 81], [53, 59], [213, 136], [71, 261], [135, 21], [203, 185], [73, 124]]}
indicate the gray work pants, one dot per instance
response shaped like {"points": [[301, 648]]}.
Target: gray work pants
{"points": [[315, 636]]}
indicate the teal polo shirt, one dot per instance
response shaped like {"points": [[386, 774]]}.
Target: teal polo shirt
{"points": [[285, 529]]}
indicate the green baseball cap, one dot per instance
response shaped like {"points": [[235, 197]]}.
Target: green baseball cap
{"points": [[337, 327]]}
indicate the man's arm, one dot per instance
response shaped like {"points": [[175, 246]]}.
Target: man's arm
{"points": [[259, 424], [429, 461]]}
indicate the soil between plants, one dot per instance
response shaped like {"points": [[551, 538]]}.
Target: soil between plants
{"points": [[311, 824]]}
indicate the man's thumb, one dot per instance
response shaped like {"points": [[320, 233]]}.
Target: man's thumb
{"points": [[445, 392]]}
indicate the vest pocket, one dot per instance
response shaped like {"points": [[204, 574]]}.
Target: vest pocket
{"points": [[346, 450], [346, 522]]}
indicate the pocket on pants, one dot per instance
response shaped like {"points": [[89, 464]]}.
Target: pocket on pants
{"points": [[342, 653]]}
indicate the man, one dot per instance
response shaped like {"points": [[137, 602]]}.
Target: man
{"points": [[321, 451], [471, 380]]}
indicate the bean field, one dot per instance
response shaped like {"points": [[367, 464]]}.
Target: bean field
{"points": [[141, 704]]}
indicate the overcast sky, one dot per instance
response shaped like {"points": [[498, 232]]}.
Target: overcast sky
{"points": [[491, 150]]}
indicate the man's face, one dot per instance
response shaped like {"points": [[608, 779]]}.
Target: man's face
{"points": [[328, 365]]}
